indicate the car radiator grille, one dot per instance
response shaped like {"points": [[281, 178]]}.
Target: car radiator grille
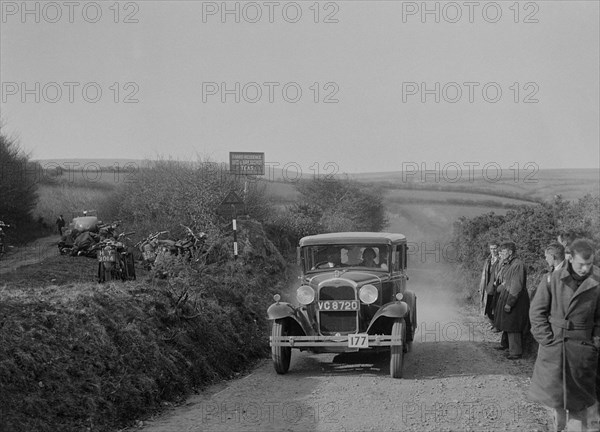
{"points": [[337, 293], [332, 322]]}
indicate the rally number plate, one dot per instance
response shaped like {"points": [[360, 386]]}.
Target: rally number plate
{"points": [[360, 340], [338, 305], [107, 258]]}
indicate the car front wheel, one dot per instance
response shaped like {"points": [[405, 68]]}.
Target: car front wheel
{"points": [[281, 355], [397, 351]]}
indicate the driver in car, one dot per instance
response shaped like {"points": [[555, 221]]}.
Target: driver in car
{"points": [[333, 259]]}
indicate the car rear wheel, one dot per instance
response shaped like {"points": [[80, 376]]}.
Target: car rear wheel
{"points": [[281, 355], [397, 351]]}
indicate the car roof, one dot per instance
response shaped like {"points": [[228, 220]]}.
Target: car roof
{"points": [[353, 237]]}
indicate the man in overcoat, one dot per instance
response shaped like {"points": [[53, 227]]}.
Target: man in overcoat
{"points": [[555, 257], [487, 289], [565, 318], [511, 315]]}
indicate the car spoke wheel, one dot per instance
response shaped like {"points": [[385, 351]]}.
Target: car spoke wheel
{"points": [[397, 351], [281, 355]]}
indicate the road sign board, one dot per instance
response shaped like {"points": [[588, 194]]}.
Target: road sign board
{"points": [[231, 206], [232, 198], [247, 163], [230, 211]]}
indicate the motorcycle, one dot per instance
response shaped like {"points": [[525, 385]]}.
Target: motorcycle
{"points": [[150, 246], [115, 260], [159, 255], [191, 246]]}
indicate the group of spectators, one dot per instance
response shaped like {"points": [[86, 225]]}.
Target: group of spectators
{"points": [[563, 315]]}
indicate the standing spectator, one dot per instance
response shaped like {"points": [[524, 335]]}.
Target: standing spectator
{"points": [[512, 308], [565, 320], [565, 238], [60, 224], [487, 289], [555, 257]]}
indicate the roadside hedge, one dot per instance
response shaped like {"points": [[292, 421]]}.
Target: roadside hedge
{"points": [[531, 227], [97, 357]]}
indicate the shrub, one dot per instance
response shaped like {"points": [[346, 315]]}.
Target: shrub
{"points": [[328, 205], [19, 179], [531, 227]]}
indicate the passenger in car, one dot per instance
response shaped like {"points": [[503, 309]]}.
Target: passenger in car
{"points": [[368, 258]]}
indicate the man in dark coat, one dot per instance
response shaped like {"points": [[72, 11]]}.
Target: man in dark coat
{"points": [[60, 224], [565, 320], [487, 289], [511, 316], [555, 257]]}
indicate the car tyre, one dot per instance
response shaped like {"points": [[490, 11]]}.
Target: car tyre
{"points": [[281, 355], [397, 351]]}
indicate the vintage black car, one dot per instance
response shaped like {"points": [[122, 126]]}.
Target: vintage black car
{"points": [[352, 297]]}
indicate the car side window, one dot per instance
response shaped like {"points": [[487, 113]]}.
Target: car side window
{"points": [[397, 258]]}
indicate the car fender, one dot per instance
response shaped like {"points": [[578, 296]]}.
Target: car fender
{"points": [[393, 310], [282, 310]]}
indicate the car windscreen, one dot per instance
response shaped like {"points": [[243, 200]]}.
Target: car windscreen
{"points": [[319, 257]]}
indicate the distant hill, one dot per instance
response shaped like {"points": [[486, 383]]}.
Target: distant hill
{"points": [[528, 184]]}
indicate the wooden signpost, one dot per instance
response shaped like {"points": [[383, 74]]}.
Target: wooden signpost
{"points": [[246, 164]]}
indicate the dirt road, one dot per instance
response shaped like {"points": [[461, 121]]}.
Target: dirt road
{"points": [[453, 381], [31, 253]]}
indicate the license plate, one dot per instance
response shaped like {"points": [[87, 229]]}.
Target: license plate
{"points": [[106, 257], [360, 340], [338, 305]]}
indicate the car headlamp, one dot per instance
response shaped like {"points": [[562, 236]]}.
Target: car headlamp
{"points": [[368, 294], [305, 295]]}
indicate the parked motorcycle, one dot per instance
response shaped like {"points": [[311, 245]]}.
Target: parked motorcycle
{"points": [[115, 260], [150, 246], [191, 247], [158, 254]]}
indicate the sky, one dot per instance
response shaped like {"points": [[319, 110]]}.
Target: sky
{"points": [[350, 86]]}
